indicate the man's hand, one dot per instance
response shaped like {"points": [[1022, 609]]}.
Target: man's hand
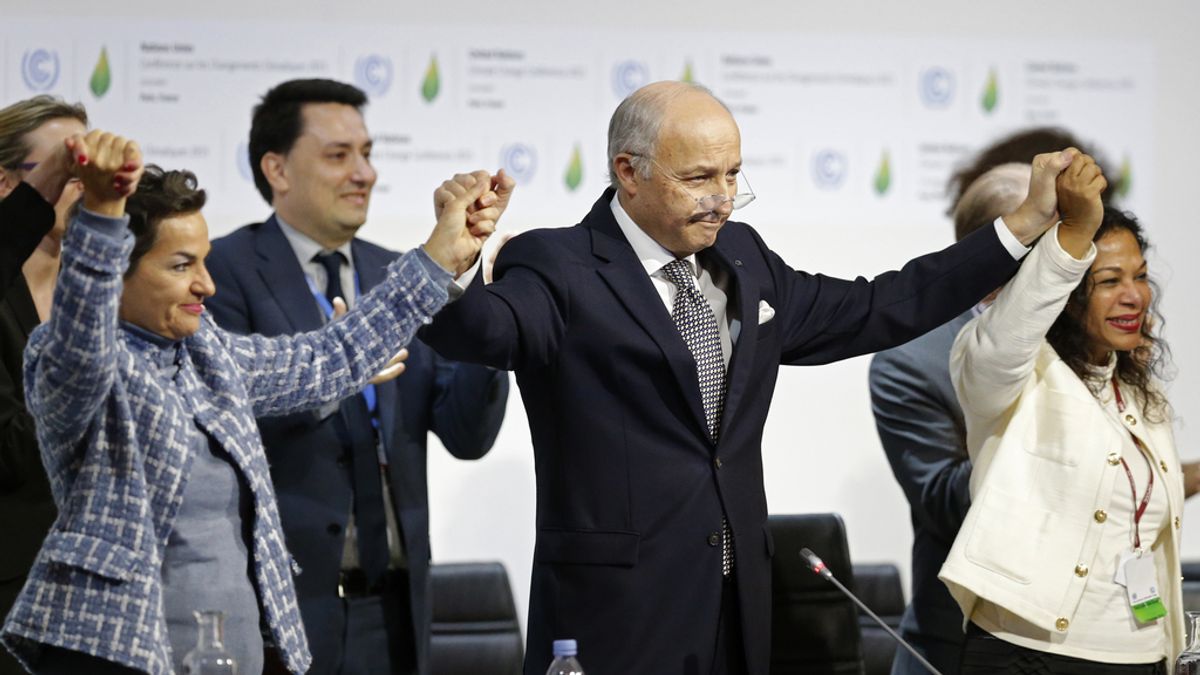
{"points": [[393, 368], [110, 167], [490, 206], [1039, 211], [1079, 188], [456, 241]]}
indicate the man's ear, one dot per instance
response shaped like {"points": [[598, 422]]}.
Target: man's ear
{"points": [[274, 168], [628, 179]]}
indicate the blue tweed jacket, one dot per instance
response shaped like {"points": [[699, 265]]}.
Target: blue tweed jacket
{"points": [[114, 442]]}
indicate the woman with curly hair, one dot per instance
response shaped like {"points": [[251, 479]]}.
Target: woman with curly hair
{"points": [[1068, 561]]}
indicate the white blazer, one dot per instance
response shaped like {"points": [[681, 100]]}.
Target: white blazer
{"points": [[1046, 459]]}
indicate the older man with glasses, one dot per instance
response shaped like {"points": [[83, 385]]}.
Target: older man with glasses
{"points": [[646, 342]]}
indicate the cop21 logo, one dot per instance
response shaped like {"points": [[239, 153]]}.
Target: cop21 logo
{"points": [[373, 74], [829, 169], [40, 69], [936, 87], [519, 161], [628, 77]]}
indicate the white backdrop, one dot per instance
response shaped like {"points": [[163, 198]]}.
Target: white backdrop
{"points": [[852, 117]]}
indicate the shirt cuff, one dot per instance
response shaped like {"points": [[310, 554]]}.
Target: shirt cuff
{"points": [[105, 225], [459, 285], [438, 274], [1071, 266], [1014, 246]]}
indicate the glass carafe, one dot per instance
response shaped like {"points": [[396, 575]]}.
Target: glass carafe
{"points": [[209, 657], [1188, 662]]}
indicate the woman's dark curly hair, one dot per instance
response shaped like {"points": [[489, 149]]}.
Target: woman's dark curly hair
{"points": [[160, 194], [1138, 367]]}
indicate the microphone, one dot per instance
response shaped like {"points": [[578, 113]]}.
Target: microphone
{"points": [[818, 567]]}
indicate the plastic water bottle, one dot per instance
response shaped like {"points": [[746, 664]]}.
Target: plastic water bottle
{"points": [[565, 662]]}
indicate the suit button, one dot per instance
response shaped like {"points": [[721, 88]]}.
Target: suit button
{"points": [[334, 529], [717, 462], [1100, 516], [1130, 420], [343, 459], [1114, 458], [1162, 465], [1177, 522], [1081, 570], [1062, 624], [714, 539]]}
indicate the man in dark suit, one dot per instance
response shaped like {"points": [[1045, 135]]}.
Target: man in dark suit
{"points": [[646, 341], [351, 481]]}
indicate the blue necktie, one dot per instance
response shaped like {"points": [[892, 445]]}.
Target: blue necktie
{"points": [[355, 425]]}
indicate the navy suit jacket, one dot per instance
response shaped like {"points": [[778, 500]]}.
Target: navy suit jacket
{"points": [[922, 429], [261, 289], [631, 490]]}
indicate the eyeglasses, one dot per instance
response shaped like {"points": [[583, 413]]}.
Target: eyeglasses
{"points": [[716, 201]]}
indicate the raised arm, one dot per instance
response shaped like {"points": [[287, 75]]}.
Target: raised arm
{"points": [[70, 362], [995, 354], [288, 374]]}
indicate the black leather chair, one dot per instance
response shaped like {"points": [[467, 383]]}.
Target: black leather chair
{"points": [[878, 585], [475, 627], [814, 628]]}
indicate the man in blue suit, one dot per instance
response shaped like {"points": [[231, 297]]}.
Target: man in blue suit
{"points": [[351, 480], [646, 341]]}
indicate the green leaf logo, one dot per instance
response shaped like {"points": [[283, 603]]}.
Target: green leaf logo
{"points": [[1125, 178], [883, 175], [432, 83], [991, 92], [101, 75], [687, 76], [574, 176]]}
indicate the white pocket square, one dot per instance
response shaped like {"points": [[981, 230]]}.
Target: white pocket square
{"points": [[765, 312]]}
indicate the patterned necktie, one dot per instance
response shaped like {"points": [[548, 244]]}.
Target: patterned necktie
{"points": [[697, 324]]}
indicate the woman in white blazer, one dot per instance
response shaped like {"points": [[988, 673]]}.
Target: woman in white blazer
{"points": [[1070, 553]]}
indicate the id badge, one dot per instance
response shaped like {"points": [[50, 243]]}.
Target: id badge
{"points": [[1141, 587]]}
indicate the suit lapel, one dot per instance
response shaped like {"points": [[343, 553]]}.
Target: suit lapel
{"points": [[284, 278], [743, 300], [628, 280]]}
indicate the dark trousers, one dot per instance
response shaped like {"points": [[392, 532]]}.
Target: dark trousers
{"points": [[945, 656], [376, 633], [729, 657], [984, 654]]}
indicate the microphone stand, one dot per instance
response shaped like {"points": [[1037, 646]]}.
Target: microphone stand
{"points": [[818, 566]]}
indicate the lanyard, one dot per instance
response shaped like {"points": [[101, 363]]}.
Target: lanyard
{"points": [[1138, 509]]}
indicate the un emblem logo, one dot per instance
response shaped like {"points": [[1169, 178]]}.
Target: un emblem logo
{"points": [[39, 69], [519, 161], [628, 77], [829, 169], [937, 87], [373, 74]]}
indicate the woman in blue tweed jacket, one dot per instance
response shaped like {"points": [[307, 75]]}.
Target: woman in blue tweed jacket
{"points": [[135, 391]]}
